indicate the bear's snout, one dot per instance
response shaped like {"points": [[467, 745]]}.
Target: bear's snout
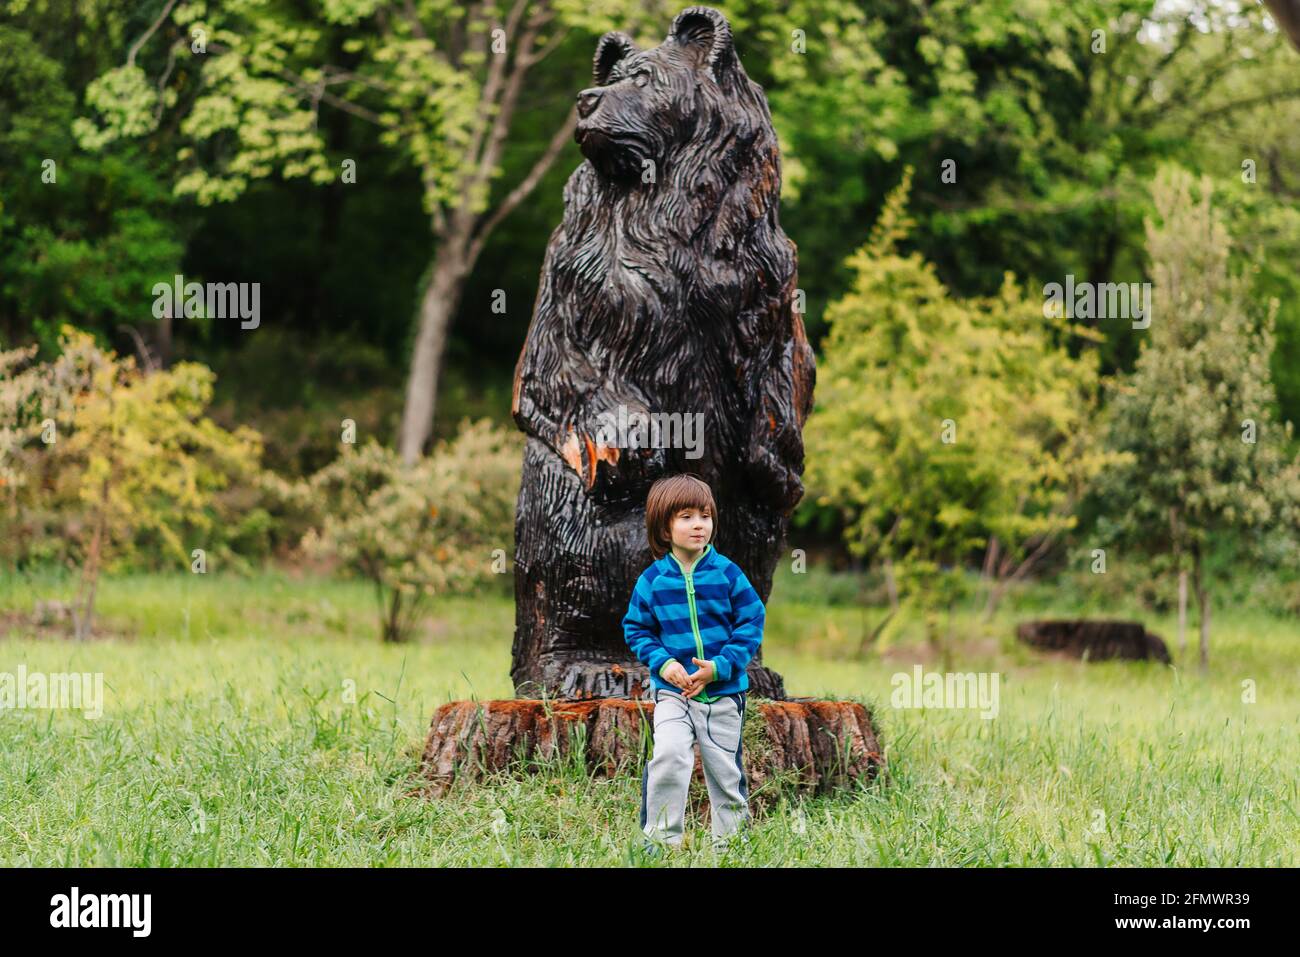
{"points": [[588, 100]]}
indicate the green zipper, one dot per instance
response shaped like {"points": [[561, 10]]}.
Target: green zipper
{"points": [[695, 623]]}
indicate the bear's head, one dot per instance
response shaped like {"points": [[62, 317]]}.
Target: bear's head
{"points": [[647, 104]]}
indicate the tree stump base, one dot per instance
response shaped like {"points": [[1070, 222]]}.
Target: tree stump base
{"points": [[801, 744], [1095, 640]]}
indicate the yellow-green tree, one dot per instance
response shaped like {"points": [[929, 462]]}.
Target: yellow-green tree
{"points": [[946, 426], [128, 458], [37, 400]]}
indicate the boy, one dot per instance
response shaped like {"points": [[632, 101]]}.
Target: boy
{"points": [[695, 621]]}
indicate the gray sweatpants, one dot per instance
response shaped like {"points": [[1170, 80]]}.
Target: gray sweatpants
{"points": [[680, 723]]}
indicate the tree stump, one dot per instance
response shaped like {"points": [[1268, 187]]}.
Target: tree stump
{"points": [[1095, 640], [802, 745]]}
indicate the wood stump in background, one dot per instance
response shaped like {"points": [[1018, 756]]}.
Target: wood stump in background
{"points": [[1094, 640]]}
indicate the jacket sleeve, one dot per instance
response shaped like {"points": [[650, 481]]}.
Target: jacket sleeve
{"points": [[747, 618], [641, 629]]}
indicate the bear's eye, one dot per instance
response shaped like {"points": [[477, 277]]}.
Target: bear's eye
{"points": [[642, 78]]}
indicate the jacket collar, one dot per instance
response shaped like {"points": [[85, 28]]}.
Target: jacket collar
{"points": [[671, 561]]}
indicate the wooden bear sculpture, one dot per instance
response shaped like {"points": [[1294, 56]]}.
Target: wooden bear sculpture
{"points": [[667, 296]]}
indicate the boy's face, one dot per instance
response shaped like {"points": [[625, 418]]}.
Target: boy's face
{"points": [[692, 528]]}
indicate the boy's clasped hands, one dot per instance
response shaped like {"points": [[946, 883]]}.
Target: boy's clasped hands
{"points": [[692, 684]]}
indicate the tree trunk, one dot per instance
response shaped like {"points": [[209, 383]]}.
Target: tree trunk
{"points": [[988, 574], [462, 237], [947, 641], [1182, 613], [1177, 541], [1205, 629], [441, 298], [392, 625], [1203, 604], [891, 585], [871, 634], [938, 637], [165, 347], [1094, 639], [83, 611], [1286, 13]]}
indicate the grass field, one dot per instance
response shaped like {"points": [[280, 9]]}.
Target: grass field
{"points": [[228, 738]]}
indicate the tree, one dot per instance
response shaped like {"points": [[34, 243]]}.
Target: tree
{"points": [[1034, 128], [1204, 454], [945, 425], [416, 532], [81, 236], [130, 457], [244, 85], [1247, 137], [34, 399]]}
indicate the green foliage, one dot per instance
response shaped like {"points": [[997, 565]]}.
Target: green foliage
{"points": [[941, 423], [1206, 454], [34, 398], [1050, 137], [1264, 222], [1236, 108], [127, 461], [264, 68], [82, 237], [423, 530], [149, 461], [1054, 143], [127, 105]]}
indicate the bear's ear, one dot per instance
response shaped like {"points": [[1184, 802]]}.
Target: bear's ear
{"points": [[707, 30], [613, 46]]}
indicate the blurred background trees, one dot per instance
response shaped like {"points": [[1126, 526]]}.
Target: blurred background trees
{"points": [[1205, 456], [948, 428], [390, 171]]}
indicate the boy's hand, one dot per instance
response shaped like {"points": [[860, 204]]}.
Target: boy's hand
{"points": [[701, 678], [675, 674]]}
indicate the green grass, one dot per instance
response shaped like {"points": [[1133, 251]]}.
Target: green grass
{"points": [[228, 738]]}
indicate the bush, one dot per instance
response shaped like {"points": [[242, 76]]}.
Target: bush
{"points": [[126, 463], [440, 526]]}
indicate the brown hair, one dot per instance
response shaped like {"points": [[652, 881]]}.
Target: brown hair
{"points": [[667, 497]]}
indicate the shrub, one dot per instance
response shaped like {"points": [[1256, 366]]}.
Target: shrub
{"points": [[439, 526], [126, 460]]}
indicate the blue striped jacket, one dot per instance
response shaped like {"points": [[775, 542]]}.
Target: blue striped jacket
{"points": [[710, 612]]}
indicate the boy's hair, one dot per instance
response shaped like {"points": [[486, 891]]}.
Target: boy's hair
{"points": [[667, 497]]}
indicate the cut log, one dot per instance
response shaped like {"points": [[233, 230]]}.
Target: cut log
{"points": [[1095, 640], [803, 744]]}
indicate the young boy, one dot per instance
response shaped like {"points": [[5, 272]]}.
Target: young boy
{"points": [[695, 621]]}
